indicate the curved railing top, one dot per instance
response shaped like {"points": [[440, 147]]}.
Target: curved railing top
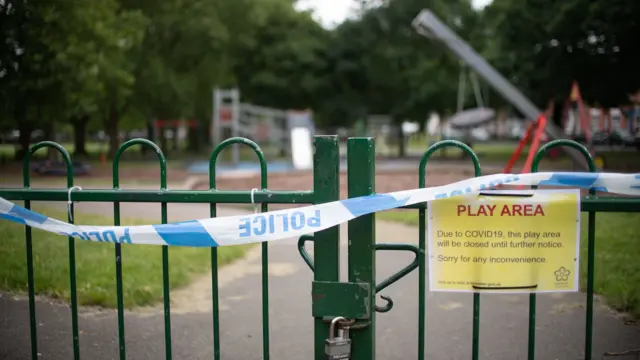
{"points": [[562, 142], [143, 142], [26, 169], [442, 145], [237, 140]]}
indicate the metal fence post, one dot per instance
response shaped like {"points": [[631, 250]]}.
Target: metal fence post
{"points": [[26, 172], [326, 247], [477, 170], [362, 239], [591, 254]]}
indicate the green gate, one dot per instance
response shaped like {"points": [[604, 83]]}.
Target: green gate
{"points": [[354, 299]]}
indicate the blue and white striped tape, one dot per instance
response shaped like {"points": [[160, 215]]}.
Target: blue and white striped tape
{"points": [[282, 224]]}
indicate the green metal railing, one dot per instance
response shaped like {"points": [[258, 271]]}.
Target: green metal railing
{"points": [[590, 204], [326, 189], [329, 296], [422, 245]]}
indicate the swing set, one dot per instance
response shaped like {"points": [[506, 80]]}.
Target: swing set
{"points": [[474, 118]]}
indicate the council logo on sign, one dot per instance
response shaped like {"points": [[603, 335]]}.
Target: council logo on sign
{"points": [[562, 274]]}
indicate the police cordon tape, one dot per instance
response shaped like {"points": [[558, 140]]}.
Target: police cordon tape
{"points": [[282, 224]]}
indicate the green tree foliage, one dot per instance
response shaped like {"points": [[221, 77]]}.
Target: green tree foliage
{"points": [[382, 66], [545, 45], [59, 59], [117, 65], [284, 64]]}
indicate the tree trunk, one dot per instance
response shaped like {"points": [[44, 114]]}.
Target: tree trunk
{"points": [[80, 135], [25, 129], [112, 130], [401, 141], [50, 135]]}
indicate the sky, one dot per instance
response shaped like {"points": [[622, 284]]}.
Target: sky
{"points": [[332, 12]]}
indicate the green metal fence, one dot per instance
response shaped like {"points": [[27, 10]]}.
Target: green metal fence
{"points": [[590, 204], [361, 182], [354, 299], [326, 189]]}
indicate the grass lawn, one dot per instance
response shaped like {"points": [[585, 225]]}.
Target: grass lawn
{"points": [[617, 268], [95, 264], [501, 151]]}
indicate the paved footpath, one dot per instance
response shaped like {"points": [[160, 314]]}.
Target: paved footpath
{"points": [[559, 331]]}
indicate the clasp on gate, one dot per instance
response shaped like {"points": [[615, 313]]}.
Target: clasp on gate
{"points": [[386, 282]]}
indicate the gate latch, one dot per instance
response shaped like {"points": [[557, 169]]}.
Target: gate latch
{"points": [[332, 298]]}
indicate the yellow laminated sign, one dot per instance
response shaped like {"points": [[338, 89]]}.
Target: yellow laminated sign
{"points": [[505, 241]]}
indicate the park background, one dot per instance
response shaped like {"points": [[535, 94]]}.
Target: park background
{"points": [[93, 74]]}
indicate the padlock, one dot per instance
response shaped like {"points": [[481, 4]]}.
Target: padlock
{"points": [[337, 348]]}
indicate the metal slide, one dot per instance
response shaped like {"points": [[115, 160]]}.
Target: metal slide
{"points": [[428, 24]]}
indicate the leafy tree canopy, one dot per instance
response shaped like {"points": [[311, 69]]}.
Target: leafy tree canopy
{"points": [[119, 64]]}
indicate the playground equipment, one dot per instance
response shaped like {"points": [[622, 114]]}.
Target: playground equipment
{"points": [[176, 130], [468, 125], [475, 117], [472, 124], [621, 129], [576, 121], [288, 131], [534, 133], [472, 118], [633, 117], [428, 25], [596, 127]]}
